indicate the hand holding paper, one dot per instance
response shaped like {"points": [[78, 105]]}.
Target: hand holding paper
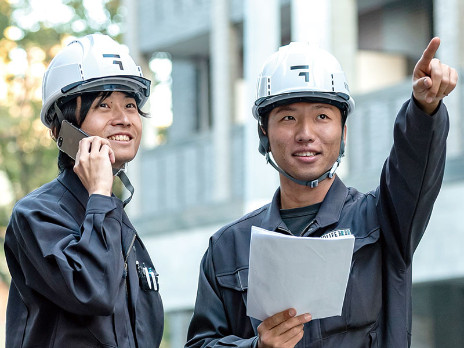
{"points": [[283, 329], [308, 274]]}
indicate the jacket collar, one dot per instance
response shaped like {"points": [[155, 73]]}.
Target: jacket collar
{"points": [[332, 205], [272, 220], [329, 212], [74, 185]]}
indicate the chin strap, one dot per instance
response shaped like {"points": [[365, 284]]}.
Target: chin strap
{"points": [[58, 112], [126, 182], [311, 183]]}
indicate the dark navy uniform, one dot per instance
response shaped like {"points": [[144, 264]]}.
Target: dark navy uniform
{"points": [[387, 223], [81, 276]]}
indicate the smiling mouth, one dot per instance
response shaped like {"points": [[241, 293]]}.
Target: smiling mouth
{"points": [[305, 154], [119, 137]]}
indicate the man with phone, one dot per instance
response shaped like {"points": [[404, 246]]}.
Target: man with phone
{"points": [[81, 276], [302, 104]]}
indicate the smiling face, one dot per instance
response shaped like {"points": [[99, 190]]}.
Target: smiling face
{"points": [[116, 118], [305, 138]]}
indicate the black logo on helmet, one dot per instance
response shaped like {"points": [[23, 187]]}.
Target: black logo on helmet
{"points": [[302, 73], [117, 62]]}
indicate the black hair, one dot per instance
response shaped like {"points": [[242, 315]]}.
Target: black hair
{"points": [[68, 107]]}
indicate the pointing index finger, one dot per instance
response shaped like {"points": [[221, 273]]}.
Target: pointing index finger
{"points": [[429, 52]]}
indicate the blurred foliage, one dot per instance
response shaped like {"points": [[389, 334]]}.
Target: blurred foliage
{"points": [[28, 41]]}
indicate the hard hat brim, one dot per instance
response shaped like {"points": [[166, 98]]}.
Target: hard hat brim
{"points": [[136, 85], [264, 105]]}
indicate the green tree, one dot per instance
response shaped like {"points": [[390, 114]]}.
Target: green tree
{"points": [[28, 41]]}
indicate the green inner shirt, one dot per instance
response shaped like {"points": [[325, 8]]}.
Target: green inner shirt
{"points": [[298, 219]]}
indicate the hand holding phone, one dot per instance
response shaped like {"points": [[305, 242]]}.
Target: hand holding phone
{"points": [[68, 141], [94, 158]]}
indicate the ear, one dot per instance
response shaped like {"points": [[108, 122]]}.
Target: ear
{"points": [[263, 141], [345, 128]]}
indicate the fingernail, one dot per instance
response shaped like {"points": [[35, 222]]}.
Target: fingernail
{"points": [[292, 312], [308, 317]]}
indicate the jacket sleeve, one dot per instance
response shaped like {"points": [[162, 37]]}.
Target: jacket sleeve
{"points": [[77, 267], [209, 325], [411, 178]]}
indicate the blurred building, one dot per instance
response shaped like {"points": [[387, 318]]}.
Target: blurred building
{"points": [[209, 172]]}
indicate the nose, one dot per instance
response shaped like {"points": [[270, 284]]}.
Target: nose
{"points": [[304, 132], [120, 116]]}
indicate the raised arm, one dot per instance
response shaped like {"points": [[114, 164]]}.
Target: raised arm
{"points": [[413, 173]]}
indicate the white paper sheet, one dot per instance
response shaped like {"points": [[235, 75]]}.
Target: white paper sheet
{"points": [[308, 274]]}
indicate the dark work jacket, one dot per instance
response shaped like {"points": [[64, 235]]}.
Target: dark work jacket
{"points": [[387, 223], [72, 260]]}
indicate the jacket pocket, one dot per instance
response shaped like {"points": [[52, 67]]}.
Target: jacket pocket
{"points": [[370, 238], [234, 286], [363, 294], [84, 331], [237, 280], [363, 299]]}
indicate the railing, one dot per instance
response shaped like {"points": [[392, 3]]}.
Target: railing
{"points": [[177, 181], [370, 135]]}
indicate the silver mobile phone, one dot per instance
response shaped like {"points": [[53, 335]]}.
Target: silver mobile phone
{"points": [[68, 142], [69, 137]]}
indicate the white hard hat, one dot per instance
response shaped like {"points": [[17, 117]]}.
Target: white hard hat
{"points": [[301, 72], [93, 63]]}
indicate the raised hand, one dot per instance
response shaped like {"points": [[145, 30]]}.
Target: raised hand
{"points": [[93, 165], [432, 80]]}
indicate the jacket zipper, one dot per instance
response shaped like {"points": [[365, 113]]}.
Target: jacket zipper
{"points": [[129, 250], [125, 264], [126, 275]]}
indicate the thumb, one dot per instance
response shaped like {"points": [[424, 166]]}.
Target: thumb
{"points": [[423, 84]]}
